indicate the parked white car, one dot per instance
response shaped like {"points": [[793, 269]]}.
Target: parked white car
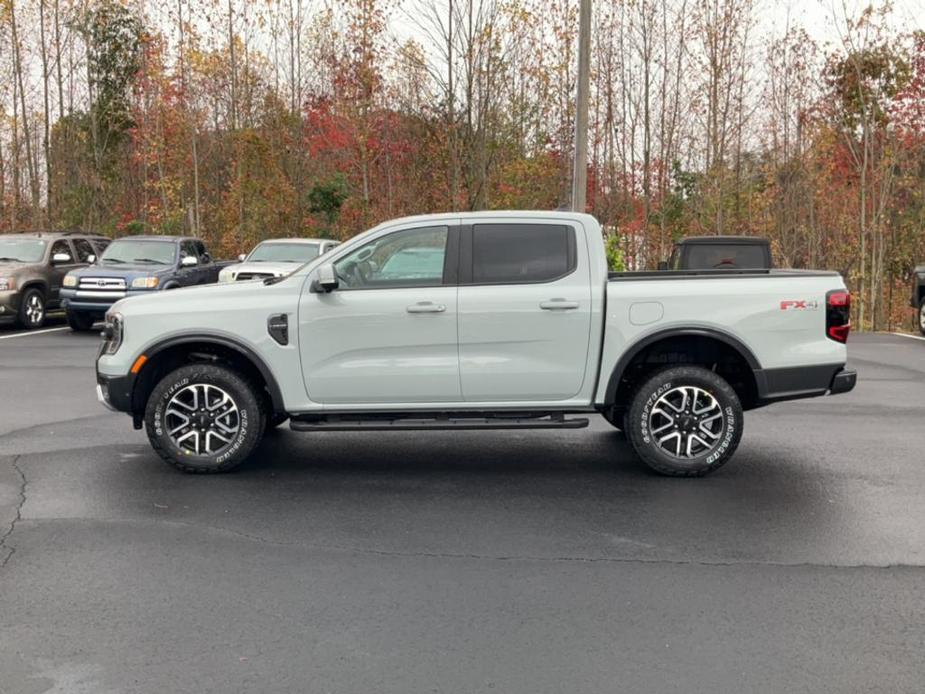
{"points": [[487, 320], [275, 258]]}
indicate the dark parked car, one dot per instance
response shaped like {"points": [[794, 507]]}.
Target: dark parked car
{"points": [[918, 296], [33, 266], [135, 265], [720, 253]]}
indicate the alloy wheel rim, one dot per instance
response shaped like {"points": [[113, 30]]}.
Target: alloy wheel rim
{"points": [[922, 316], [686, 422], [34, 309], [202, 419]]}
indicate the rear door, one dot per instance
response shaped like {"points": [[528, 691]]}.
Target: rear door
{"points": [[207, 271], [524, 310]]}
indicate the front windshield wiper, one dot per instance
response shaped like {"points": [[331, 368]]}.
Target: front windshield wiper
{"points": [[112, 260], [4, 259], [149, 260]]}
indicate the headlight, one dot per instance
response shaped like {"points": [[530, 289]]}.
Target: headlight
{"points": [[7, 283], [70, 281], [226, 276], [144, 283], [113, 331]]}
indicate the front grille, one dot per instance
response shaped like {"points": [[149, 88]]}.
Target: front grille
{"points": [[253, 276], [103, 284]]}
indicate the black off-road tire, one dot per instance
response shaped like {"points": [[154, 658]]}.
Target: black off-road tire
{"points": [[31, 299], [79, 321], [246, 398], [666, 381]]}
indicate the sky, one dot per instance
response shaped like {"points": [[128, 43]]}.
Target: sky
{"points": [[816, 16]]}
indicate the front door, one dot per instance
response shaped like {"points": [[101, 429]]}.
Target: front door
{"points": [[59, 268], [387, 334], [524, 311]]}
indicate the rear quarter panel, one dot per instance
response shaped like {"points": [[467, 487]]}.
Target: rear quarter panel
{"points": [[762, 312]]}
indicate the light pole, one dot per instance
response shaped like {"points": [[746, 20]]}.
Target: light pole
{"points": [[580, 164]]}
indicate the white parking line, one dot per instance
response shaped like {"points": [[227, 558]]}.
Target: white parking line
{"points": [[911, 337], [34, 332]]}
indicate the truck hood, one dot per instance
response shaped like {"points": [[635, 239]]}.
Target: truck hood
{"points": [[13, 268], [126, 271], [180, 299], [263, 268]]}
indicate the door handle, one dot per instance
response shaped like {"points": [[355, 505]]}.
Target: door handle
{"points": [[558, 305], [426, 307]]}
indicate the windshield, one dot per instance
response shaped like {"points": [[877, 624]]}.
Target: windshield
{"points": [[135, 251], [284, 253], [21, 250]]}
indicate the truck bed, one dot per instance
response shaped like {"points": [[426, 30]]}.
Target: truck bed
{"points": [[713, 274]]}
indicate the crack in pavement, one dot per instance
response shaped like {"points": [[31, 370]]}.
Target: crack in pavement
{"points": [[43, 425], [369, 551], [18, 517]]}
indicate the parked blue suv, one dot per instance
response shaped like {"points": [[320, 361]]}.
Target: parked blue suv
{"points": [[135, 265]]}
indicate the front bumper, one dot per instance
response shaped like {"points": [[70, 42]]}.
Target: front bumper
{"points": [[9, 303], [115, 392], [97, 302]]}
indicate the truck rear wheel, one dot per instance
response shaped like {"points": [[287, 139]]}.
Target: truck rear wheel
{"points": [[204, 418], [685, 421]]}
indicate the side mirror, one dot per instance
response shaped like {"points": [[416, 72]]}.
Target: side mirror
{"points": [[662, 265], [189, 261], [326, 280], [61, 258], [241, 258], [91, 259]]}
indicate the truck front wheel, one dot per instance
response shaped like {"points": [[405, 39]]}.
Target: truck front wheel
{"points": [[685, 421], [79, 321], [204, 418]]}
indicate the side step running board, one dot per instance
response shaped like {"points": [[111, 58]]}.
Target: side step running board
{"points": [[419, 422]]}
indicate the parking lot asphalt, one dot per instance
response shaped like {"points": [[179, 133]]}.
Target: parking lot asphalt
{"points": [[519, 561]]}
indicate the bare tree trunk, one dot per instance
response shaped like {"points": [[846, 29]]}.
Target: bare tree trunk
{"points": [[27, 139], [47, 111]]}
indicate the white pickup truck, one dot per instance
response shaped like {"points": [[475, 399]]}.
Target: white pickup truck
{"points": [[474, 321]]}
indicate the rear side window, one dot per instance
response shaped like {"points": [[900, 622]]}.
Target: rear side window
{"points": [[717, 256], [201, 250], [521, 253]]}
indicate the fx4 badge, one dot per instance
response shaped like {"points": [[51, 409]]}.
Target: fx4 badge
{"points": [[798, 305]]}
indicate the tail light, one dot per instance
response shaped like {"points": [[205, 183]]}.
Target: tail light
{"points": [[838, 315]]}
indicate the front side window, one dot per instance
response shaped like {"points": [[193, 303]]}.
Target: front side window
{"points": [[409, 258], [84, 250], [521, 253], [283, 253], [21, 250], [188, 250], [139, 252], [62, 248]]}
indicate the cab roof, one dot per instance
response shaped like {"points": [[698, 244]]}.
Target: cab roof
{"points": [[705, 240]]}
